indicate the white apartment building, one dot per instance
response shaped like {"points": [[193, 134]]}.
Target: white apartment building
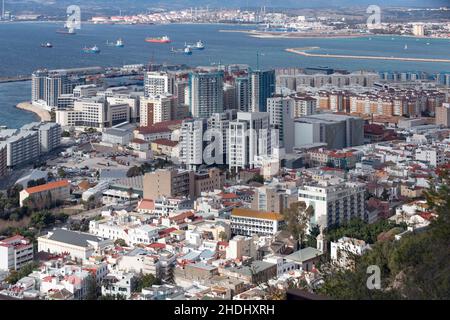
{"points": [[433, 156], [49, 136], [249, 137], [191, 142], [22, 148], [159, 83], [248, 222], [15, 252], [131, 233], [131, 100], [281, 114], [155, 109], [304, 105], [165, 206], [85, 91], [218, 126], [334, 202], [85, 113], [94, 113], [119, 283]]}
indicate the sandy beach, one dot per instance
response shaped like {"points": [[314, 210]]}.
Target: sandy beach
{"points": [[43, 114]]}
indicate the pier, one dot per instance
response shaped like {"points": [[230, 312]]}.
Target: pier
{"points": [[302, 52], [15, 78]]}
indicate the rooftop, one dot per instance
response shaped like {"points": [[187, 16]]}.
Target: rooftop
{"points": [[75, 238], [248, 213], [48, 186]]}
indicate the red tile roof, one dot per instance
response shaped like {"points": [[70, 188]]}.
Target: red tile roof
{"points": [[48, 186], [165, 142]]}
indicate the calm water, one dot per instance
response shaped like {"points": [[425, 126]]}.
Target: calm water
{"points": [[21, 52]]}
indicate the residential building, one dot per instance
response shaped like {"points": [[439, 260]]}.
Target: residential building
{"points": [[22, 148], [443, 115], [249, 137], [248, 222], [191, 143], [281, 116], [334, 201], [262, 86], [159, 83], [304, 105], [119, 283], [155, 109], [15, 252], [205, 93], [168, 183]]}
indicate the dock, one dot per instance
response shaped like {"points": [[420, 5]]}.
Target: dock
{"points": [[302, 52]]}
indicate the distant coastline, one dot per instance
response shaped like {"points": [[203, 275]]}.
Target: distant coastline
{"points": [[294, 35], [43, 114]]}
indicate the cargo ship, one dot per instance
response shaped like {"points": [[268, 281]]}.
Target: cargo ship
{"points": [[93, 49], [163, 39]]}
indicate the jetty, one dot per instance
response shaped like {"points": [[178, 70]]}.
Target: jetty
{"points": [[303, 52]]}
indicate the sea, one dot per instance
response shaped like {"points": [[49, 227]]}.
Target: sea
{"points": [[21, 52]]}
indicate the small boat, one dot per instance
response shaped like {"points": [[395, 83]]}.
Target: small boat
{"points": [[187, 50], [199, 45], [119, 43], [428, 43], [46, 45], [93, 49], [406, 47], [163, 39]]}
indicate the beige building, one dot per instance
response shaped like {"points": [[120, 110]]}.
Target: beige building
{"points": [[46, 194], [208, 181], [443, 115], [168, 183], [155, 109], [164, 147]]}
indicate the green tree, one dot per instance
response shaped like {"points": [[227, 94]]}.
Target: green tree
{"points": [[223, 236], [414, 267], [61, 172], [134, 171], [146, 281], [120, 242], [91, 288], [297, 218]]}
